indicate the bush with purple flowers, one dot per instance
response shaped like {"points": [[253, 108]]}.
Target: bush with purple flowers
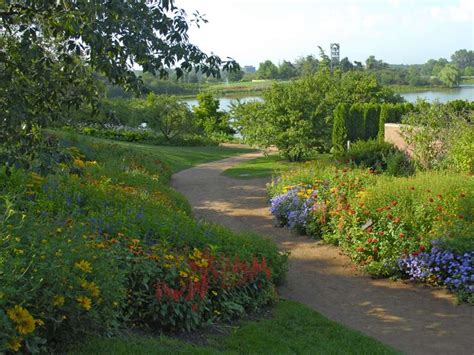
{"points": [[442, 267]]}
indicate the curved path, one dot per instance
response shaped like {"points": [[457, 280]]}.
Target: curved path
{"points": [[415, 319]]}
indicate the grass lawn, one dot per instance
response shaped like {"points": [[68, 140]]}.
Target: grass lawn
{"points": [[266, 166], [177, 158], [259, 168], [293, 329]]}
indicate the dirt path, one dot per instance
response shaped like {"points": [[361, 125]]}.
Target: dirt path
{"points": [[412, 318]]}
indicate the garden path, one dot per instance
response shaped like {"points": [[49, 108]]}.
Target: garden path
{"points": [[415, 319]]}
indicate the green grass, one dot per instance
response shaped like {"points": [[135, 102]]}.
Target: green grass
{"points": [[467, 81], [177, 158], [294, 329], [411, 88], [267, 166], [259, 168], [242, 87]]}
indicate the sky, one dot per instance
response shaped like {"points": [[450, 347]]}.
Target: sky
{"points": [[396, 31]]}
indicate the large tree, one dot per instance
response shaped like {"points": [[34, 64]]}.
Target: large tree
{"points": [[450, 75], [267, 70], [463, 58], [50, 51]]}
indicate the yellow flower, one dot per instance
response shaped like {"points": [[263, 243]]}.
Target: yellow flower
{"points": [[169, 257], [79, 163], [202, 263], [183, 274], [84, 302], [197, 253], [84, 266], [14, 344], [91, 287], [25, 323], [58, 301]]}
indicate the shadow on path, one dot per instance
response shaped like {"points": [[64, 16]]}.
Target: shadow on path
{"points": [[415, 319]]}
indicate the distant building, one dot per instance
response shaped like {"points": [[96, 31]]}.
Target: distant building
{"points": [[250, 69]]}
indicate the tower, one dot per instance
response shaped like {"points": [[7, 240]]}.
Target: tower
{"points": [[334, 55]]}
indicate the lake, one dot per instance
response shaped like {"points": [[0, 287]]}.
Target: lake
{"points": [[465, 92]]}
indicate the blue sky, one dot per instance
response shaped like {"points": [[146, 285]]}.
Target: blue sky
{"points": [[397, 31]]}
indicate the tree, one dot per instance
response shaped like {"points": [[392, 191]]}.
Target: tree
{"points": [[298, 117], [463, 58], [469, 71], [438, 66], [50, 52], [267, 70], [286, 70], [209, 118], [235, 75], [372, 63], [307, 65], [167, 115], [450, 75], [345, 64]]}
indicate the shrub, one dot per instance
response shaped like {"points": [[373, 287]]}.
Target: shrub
{"points": [[339, 128], [371, 120], [357, 123], [376, 155]]}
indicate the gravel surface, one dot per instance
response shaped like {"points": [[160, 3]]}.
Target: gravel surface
{"points": [[415, 319]]}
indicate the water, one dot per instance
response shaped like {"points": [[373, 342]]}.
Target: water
{"points": [[465, 92], [226, 102]]}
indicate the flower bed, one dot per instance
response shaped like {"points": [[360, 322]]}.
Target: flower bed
{"points": [[111, 245], [386, 224]]}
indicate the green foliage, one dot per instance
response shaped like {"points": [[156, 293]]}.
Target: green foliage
{"points": [[339, 128], [267, 70], [292, 328], [450, 75], [402, 215], [438, 134], [356, 128], [51, 51], [168, 116], [208, 117], [63, 236], [379, 156], [371, 121], [297, 117]]}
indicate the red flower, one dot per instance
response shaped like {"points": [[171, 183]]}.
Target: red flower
{"points": [[396, 220], [402, 235], [422, 248], [158, 292], [194, 307], [381, 233]]}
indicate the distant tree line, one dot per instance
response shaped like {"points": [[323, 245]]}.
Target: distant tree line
{"points": [[433, 72]]}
